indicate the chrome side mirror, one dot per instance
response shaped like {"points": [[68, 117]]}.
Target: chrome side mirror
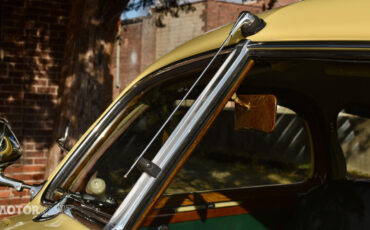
{"points": [[61, 141], [10, 151]]}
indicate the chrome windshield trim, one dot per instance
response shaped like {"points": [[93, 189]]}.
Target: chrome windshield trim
{"points": [[181, 138]]}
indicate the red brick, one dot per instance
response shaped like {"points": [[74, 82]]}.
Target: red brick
{"points": [[4, 193], [23, 194], [46, 90], [24, 169], [34, 154], [40, 161], [29, 177]]}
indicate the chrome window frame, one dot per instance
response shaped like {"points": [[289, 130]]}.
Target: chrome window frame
{"points": [[312, 50]]}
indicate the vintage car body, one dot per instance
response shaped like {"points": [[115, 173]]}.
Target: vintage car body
{"points": [[313, 55]]}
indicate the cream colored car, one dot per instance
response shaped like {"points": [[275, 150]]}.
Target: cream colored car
{"points": [[262, 124]]}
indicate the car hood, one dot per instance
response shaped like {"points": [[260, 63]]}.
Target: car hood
{"points": [[25, 222]]}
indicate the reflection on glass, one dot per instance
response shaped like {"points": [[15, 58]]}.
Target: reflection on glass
{"points": [[354, 137], [231, 158], [99, 181]]}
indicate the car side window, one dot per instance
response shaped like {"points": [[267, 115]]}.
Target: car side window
{"points": [[231, 158], [353, 127]]}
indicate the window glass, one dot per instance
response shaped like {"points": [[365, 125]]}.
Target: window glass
{"points": [[99, 180], [230, 158], [354, 135]]}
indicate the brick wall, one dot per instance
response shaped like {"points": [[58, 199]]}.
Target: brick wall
{"points": [[130, 58], [180, 29], [33, 35], [218, 13], [148, 43]]}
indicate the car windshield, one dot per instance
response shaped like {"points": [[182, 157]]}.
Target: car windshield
{"points": [[99, 177]]}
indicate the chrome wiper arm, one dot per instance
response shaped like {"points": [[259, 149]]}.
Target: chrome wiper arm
{"points": [[54, 210], [64, 205], [244, 18]]}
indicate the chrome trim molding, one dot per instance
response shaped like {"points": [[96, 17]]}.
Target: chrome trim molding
{"points": [[310, 44], [356, 51]]}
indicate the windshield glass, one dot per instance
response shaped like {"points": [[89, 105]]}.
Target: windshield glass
{"points": [[99, 177]]}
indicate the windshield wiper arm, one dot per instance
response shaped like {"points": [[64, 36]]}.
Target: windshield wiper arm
{"points": [[64, 205]]}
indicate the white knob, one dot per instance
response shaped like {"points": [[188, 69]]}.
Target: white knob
{"points": [[97, 186]]}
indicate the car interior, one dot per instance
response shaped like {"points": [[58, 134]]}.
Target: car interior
{"points": [[292, 178]]}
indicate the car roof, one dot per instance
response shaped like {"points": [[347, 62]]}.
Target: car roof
{"points": [[317, 20], [309, 20]]}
